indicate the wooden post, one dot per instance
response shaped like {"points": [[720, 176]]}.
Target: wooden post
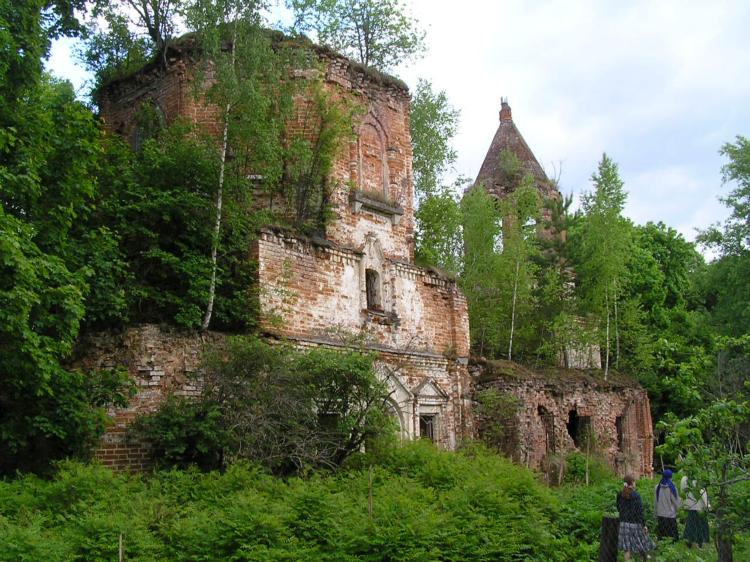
{"points": [[608, 539], [588, 452], [121, 556], [369, 496]]}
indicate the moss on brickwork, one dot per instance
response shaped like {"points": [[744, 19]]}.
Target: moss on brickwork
{"points": [[186, 47], [502, 369]]}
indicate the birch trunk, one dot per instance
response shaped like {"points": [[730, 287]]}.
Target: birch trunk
{"points": [[513, 311], [617, 330], [219, 201], [606, 356]]}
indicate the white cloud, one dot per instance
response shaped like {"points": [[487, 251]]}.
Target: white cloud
{"points": [[657, 85]]}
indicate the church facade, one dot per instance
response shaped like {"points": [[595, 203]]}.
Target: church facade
{"points": [[359, 278]]}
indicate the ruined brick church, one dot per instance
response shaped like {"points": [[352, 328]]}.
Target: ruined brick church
{"points": [[361, 278]]}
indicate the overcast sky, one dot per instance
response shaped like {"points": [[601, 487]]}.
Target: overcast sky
{"points": [[658, 85]]}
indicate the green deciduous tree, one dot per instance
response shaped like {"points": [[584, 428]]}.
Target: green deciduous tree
{"points": [[284, 408], [376, 33], [113, 50], [322, 131], [433, 123], [603, 252], [439, 239], [49, 149], [242, 77], [729, 274], [481, 233], [47, 412], [666, 339], [713, 451], [564, 336], [250, 76], [155, 201], [499, 273], [517, 270]]}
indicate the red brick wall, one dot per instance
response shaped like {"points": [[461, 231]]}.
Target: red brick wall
{"points": [[163, 361], [309, 290], [561, 391], [160, 361], [382, 135]]}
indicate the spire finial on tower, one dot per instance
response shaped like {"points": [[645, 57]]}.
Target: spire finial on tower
{"points": [[505, 113]]}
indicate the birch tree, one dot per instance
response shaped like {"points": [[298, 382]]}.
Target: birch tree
{"points": [[481, 234], [377, 33], [433, 124], [241, 75], [604, 243], [520, 212]]}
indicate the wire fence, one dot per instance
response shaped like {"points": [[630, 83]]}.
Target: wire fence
{"points": [[608, 539]]}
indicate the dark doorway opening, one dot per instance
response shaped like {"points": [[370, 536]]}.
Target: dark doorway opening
{"points": [[579, 428], [427, 426]]}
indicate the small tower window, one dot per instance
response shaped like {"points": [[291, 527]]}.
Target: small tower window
{"points": [[372, 282]]}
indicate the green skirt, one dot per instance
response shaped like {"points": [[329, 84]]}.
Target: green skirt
{"points": [[696, 528]]}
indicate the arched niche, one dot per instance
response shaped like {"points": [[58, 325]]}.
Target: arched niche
{"points": [[149, 120], [400, 400], [372, 163]]}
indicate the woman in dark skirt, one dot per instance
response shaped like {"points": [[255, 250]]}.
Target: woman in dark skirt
{"points": [[667, 504], [696, 525], [633, 537]]}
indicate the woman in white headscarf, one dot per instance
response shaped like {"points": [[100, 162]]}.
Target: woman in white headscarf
{"points": [[696, 525]]}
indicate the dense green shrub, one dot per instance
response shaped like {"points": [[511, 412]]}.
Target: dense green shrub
{"points": [[425, 505], [578, 465], [185, 432], [286, 409], [497, 421]]}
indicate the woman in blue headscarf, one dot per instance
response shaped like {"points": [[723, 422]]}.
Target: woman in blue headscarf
{"points": [[667, 504]]}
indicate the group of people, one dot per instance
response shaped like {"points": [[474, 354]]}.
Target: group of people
{"points": [[634, 537]]}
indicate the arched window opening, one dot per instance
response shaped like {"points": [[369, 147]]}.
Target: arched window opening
{"points": [[372, 282]]}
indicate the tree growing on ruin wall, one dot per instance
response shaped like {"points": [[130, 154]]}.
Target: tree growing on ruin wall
{"points": [[376, 33]]}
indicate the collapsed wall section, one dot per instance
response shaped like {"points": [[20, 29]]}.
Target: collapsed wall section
{"points": [[561, 411], [160, 361]]}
